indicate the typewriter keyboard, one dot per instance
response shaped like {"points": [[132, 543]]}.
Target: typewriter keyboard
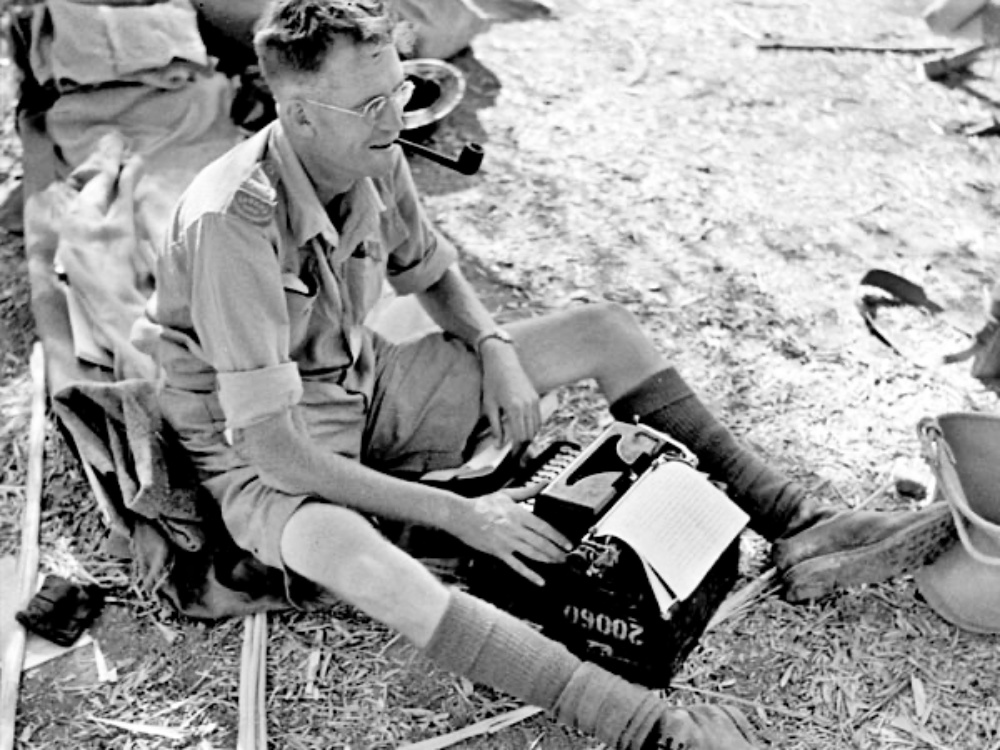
{"points": [[547, 465]]}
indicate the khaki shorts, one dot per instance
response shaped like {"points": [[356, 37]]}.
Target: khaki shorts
{"points": [[425, 407]]}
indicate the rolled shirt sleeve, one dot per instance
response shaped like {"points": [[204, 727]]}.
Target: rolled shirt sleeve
{"points": [[240, 316], [420, 254], [252, 396]]}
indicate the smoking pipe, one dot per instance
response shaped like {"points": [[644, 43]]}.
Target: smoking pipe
{"points": [[467, 163]]}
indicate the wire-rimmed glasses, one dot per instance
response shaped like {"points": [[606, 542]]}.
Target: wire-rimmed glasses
{"points": [[372, 110]]}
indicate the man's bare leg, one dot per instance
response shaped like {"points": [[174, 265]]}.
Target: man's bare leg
{"points": [[339, 550]]}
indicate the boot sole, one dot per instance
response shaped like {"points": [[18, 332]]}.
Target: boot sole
{"points": [[819, 577]]}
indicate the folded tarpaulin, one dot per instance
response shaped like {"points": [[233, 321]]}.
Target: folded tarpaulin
{"points": [[150, 494]]}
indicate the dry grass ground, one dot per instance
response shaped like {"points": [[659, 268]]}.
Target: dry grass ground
{"points": [[647, 152]]}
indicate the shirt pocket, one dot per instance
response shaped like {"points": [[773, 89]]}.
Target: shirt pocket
{"points": [[300, 300], [365, 271]]}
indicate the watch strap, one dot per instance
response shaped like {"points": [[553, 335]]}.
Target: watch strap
{"points": [[494, 333]]}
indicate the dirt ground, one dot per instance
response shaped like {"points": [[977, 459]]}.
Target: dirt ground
{"points": [[648, 152]]}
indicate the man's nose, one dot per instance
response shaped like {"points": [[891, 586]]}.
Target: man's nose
{"points": [[392, 116]]}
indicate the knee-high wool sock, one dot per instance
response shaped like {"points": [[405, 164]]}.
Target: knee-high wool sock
{"points": [[777, 506], [494, 648]]}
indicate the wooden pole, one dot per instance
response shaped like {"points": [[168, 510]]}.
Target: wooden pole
{"points": [[27, 567], [260, 620], [252, 732], [820, 46]]}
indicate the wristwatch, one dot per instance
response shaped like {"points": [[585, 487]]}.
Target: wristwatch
{"points": [[494, 333]]}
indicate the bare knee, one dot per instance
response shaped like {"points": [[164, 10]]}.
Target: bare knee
{"points": [[626, 355], [609, 323], [340, 550]]}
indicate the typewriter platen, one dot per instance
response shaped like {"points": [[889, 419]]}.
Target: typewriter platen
{"points": [[599, 602]]}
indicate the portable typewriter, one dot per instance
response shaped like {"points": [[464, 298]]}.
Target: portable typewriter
{"points": [[600, 603]]}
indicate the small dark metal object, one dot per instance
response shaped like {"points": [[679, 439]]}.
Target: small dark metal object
{"points": [[941, 67], [990, 126], [62, 610], [467, 163]]}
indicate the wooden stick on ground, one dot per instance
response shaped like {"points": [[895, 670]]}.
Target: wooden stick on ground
{"points": [[260, 621], [487, 726], [13, 656], [805, 45], [252, 733]]}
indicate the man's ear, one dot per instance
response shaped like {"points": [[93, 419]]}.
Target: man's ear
{"points": [[299, 117]]}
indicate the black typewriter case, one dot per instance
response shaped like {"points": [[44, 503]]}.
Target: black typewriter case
{"points": [[598, 603]]}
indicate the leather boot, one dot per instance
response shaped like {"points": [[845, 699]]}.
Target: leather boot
{"points": [[862, 546], [700, 727]]}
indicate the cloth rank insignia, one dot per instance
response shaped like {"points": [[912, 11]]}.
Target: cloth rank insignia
{"points": [[255, 200]]}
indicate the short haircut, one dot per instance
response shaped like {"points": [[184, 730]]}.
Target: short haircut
{"points": [[295, 37]]}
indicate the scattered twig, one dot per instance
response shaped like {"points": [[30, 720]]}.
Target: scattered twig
{"points": [[640, 63], [487, 726], [170, 733], [881, 490], [818, 46], [13, 656], [880, 704], [312, 670], [104, 673], [740, 600]]}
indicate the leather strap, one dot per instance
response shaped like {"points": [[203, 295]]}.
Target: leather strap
{"points": [[902, 291]]}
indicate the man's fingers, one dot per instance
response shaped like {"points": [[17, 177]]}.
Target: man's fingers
{"points": [[526, 423], [536, 547], [129, 176], [534, 419], [99, 191], [533, 523], [527, 492], [548, 533], [524, 570], [492, 413]]}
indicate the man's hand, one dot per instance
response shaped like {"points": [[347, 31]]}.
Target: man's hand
{"points": [[510, 401], [498, 525]]}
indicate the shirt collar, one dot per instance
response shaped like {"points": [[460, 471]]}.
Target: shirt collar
{"points": [[307, 216]]}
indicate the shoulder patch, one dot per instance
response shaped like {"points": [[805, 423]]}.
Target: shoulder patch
{"points": [[252, 208], [255, 199]]}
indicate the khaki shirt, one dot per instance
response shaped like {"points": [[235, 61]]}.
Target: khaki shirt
{"points": [[260, 301]]}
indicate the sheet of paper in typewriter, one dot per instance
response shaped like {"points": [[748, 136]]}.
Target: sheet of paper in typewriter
{"points": [[677, 522]]}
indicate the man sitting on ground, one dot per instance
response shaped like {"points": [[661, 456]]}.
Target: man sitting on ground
{"points": [[298, 416]]}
